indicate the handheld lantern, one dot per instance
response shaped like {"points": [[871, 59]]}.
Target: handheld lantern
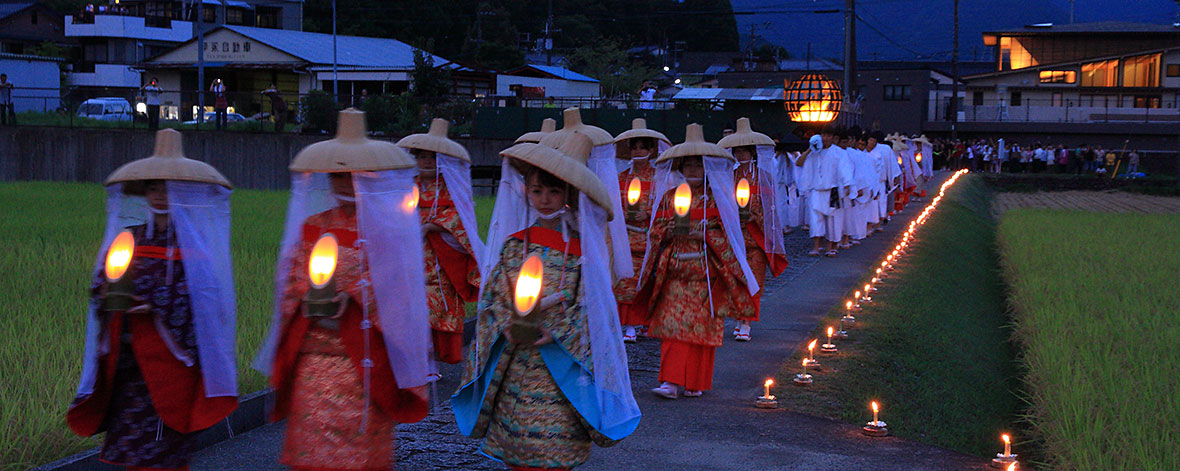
{"points": [[119, 285], [526, 329], [321, 266], [681, 202]]}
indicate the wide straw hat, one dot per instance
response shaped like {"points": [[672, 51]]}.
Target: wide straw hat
{"points": [[168, 162], [639, 129], [573, 123], [351, 150], [893, 137], [547, 126], [744, 136], [900, 146], [563, 166], [436, 141], [923, 139], [694, 144]]}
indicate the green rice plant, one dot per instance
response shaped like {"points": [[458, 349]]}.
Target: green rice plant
{"points": [[50, 234], [933, 347], [1095, 297]]}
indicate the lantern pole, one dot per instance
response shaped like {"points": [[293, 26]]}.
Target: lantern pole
{"points": [[849, 51]]}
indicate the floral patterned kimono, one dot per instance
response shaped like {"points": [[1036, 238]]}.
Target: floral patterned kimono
{"points": [[752, 232], [318, 372], [676, 286], [638, 217], [516, 393], [452, 274], [149, 396]]}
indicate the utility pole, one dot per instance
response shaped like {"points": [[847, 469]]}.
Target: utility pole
{"points": [[549, 36], [335, 69], [1071, 17], [849, 50], [200, 62], [954, 106]]}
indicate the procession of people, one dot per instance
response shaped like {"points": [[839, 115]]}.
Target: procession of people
{"points": [[595, 241]]}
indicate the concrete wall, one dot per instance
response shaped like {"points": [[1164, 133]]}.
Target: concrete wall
{"points": [[249, 160]]}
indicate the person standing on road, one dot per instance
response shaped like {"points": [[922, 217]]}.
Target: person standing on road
{"points": [[451, 244], [220, 102], [1133, 162], [159, 364], [544, 382], [828, 184], [278, 107], [7, 109], [696, 263], [151, 98]]}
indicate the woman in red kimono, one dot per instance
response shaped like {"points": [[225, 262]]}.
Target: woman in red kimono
{"points": [[161, 367], [638, 146], [760, 227], [336, 383], [694, 264], [452, 244]]}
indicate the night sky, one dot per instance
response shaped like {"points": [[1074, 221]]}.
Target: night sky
{"points": [[922, 29]]}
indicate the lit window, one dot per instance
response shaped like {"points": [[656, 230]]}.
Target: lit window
{"points": [[1141, 71], [897, 92], [1013, 55], [1059, 76], [1100, 74]]}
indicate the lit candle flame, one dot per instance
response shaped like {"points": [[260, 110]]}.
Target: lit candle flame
{"points": [[831, 330], [322, 262], [848, 305], [1007, 444], [411, 201], [767, 385], [875, 410], [811, 346], [743, 192], [633, 190], [857, 295], [119, 255], [682, 200], [528, 284], [867, 287]]}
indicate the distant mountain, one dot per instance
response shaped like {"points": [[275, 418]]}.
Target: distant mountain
{"points": [[922, 29]]}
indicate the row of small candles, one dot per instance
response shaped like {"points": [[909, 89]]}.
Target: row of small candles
{"points": [[877, 427]]}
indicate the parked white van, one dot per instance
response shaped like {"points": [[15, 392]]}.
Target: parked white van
{"points": [[106, 109]]}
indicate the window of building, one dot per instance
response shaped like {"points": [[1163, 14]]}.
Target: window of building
{"points": [[95, 52], [977, 98], [267, 17], [1013, 55], [235, 16], [1147, 101], [897, 92], [1173, 70], [1017, 98], [1141, 71], [1059, 76], [1100, 74], [209, 14]]}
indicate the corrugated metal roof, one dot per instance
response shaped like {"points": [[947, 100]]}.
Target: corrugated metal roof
{"points": [[316, 48], [1096, 27], [10, 8], [563, 73], [29, 57]]}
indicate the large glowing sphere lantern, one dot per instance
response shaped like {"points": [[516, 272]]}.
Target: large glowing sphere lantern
{"points": [[813, 98]]}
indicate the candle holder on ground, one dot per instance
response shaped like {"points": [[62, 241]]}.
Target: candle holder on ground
{"points": [[803, 379], [829, 347], [841, 333], [856, 302], [875, 428], [1007, 458], [811, 361], [848, 317], [766, 400], [866, 298]]}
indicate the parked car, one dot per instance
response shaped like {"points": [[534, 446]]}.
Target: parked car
{"points": [[211, 117], [106, 109]]}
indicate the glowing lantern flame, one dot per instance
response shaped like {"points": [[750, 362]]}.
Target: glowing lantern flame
{"points": [[811, 346], [743, 192], [411, 201], [633, 190], [322, 263], [119, 255], [918, 157], [528, 285], [830, 332], [899, 160], [682, 200]]}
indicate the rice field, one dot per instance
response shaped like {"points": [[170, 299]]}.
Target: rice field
{"points": [[1095, 298], [50, 233]]}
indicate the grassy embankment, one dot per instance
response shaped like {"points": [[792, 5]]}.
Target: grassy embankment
{"points": [[50, 234], [1095, 297], [933, 347]]}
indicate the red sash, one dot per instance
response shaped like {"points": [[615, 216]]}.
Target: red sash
{"points": [[549, 238]]}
